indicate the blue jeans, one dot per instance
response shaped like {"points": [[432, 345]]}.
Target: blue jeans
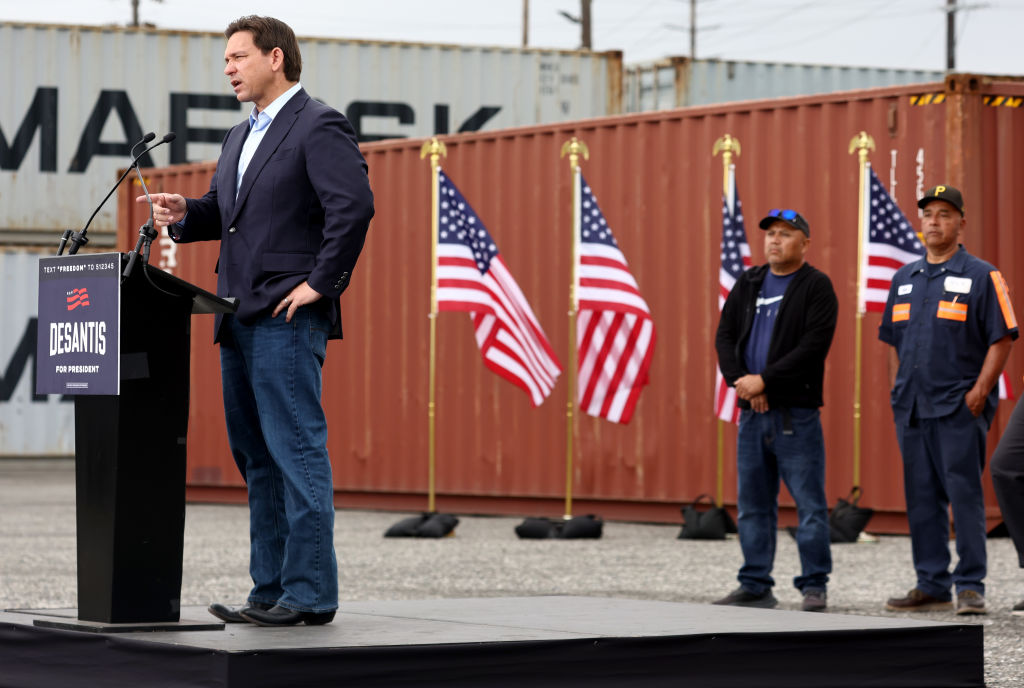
{"points": [[277, 430], [942, 463], [786, 443]]}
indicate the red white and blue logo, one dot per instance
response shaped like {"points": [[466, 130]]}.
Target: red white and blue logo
{"points": [[78, 297]]}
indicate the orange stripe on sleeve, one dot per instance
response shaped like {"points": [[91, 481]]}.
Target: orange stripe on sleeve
{"points": [[1003, 293]]}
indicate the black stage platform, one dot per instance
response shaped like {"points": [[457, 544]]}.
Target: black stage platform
{"points": [[488, 642]]}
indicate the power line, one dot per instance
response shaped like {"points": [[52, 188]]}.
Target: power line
{"points": [[777, 17], [811, 35]]}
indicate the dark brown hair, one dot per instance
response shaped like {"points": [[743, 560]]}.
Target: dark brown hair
{"points": [[269, 33]]}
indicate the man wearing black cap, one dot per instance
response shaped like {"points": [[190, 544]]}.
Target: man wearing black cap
{"points": [[949, 324], [774, 333]]}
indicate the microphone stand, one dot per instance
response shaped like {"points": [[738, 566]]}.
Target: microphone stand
{"points": [[64, 240], [78, 239], [146, 235], [147, 232]]}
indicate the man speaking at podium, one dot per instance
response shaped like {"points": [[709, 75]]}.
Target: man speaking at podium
{"points": [[290, 202]]}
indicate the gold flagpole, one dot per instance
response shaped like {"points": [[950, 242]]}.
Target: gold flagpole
{"points": [[435, 149], [727, 145], [574, 147], [861, 143]]}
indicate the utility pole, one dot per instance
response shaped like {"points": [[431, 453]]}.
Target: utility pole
{"points": [[585, 24], [693, 29], [583, 20], [526, 23], [135, 13], [950, 35]]}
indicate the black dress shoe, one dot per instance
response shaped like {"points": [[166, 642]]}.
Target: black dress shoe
{"points": [[234, 614], [282, 616]]}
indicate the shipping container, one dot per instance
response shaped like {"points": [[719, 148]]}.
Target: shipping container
{"points": [[679, 81], [659, 187], [30, 424], [76, 98]]}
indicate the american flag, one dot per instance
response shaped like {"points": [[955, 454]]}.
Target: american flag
{"points": [[471, 276], [891, 244], [735, 256], [1005, 388], [615, 334]]}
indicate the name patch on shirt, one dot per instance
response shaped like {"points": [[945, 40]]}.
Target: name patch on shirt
{"points": [[904, 289], [957, 285]]}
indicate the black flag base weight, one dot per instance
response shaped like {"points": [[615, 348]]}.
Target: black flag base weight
{"points": [[847, 520], [578, 527], [429, 524], [999, 531]]}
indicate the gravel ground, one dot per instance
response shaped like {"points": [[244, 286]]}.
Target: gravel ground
{"points": [[485, 559]]}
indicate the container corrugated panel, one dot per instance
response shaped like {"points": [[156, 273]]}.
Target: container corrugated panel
{"points": [[76, 98], [680, 81], [30, 424], [660, 190]]}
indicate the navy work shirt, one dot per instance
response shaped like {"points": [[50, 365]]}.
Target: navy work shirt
{"points": [[942, 319]]}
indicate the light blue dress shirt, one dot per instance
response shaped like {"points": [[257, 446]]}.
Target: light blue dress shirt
{"points": [[258, 124]]}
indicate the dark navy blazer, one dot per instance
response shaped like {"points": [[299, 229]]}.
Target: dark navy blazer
{"points": [[302, 212]]}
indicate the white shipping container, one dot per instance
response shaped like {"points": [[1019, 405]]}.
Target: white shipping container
{"points": [[680, 81], [30, 425], [76, 99]]}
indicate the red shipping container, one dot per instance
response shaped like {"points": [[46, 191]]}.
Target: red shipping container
{"points": [[660, 189]]}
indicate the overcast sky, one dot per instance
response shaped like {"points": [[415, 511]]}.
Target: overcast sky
{"points": [[878, 33]]}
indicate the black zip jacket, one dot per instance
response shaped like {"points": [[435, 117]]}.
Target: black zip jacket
{"points": [[795, 370]]}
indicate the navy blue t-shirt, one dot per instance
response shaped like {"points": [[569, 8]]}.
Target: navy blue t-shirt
{"points": [[769, 300]]}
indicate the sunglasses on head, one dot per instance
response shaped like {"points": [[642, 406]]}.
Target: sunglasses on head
{"points": [[784, 214]]}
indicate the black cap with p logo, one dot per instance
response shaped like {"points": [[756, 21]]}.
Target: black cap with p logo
{"points": [[943, 193]]}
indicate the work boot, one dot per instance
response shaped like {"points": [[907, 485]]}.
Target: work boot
{"points": [[970, 602], [740, 597], [917, 601], [814, 601]]}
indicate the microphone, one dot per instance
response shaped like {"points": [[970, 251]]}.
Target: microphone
{"points": [[146, 233], [78, 239], [145, 139]]}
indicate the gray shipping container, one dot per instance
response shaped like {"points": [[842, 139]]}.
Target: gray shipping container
{"points": [[29, 425], [76, 98], [679, 81]]}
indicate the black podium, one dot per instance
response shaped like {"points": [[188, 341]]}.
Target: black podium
{"points": [[130, 449]]}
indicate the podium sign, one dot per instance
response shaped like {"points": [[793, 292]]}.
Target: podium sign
{"points": [[123, 348], [77, 350]]}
